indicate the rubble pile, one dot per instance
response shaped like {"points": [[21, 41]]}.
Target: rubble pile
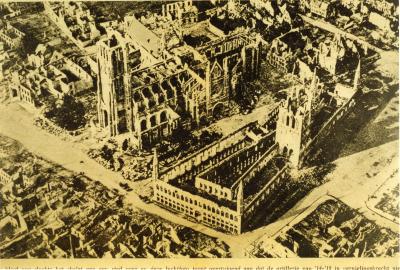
{"points": [[133, 166], [336, 230]]}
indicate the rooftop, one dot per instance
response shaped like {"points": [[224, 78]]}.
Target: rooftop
{"points": [[137, 31]]}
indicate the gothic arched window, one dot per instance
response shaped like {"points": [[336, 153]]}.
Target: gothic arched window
{"points": [[153, 121], [143, 125], [163, 117]]}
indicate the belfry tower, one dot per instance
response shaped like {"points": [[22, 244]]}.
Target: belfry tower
{"points": [[295, 118]]}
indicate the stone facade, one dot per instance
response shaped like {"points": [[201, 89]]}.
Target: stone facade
{"points": [[183, 11], [329, 53], [5, 178], [11, 36], [22, 93], [280, 56]]}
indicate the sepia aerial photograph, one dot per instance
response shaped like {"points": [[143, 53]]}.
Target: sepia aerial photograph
{"points": [[199, 129]]}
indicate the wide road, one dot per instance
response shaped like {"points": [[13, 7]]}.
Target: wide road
{"points": [[17, 123]]}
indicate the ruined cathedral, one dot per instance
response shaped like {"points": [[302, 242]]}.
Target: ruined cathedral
{"points": [[149, 81]]}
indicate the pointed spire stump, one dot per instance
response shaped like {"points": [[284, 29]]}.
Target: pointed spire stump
{"points": [[240, 198], [155, 164], [71, 246], [357, 75]]}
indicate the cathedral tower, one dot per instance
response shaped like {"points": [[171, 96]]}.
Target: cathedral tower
{"points": [[112, 66]]}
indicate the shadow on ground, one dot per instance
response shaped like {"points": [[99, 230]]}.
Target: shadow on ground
{"points": [[293, 189], [361, 129]]}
